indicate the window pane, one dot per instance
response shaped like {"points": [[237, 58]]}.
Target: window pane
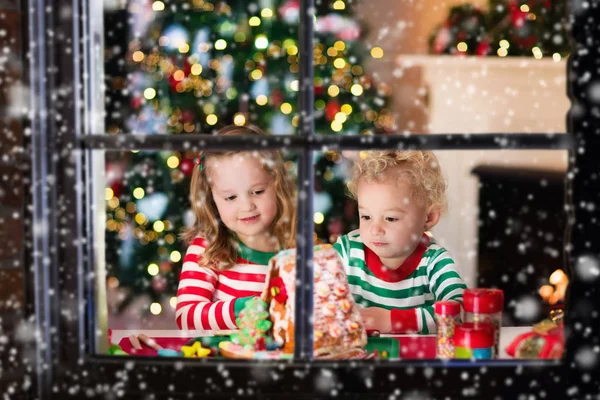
{"points": [[151, 276], [196, 66], [504, 226], [426, 67]]}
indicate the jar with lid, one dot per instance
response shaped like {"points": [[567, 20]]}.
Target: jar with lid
{"points": [[474, 340], [447, 316], [485, 306]]}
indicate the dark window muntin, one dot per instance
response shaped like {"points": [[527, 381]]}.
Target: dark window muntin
{"points": [[61, 280]]}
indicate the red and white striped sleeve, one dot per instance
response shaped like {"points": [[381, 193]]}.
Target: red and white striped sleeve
{"points": [[195, 309]]}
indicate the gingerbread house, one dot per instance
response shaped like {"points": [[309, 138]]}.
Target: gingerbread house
{"points": [[338, 330]]}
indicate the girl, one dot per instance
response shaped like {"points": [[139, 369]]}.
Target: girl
{"points": [[244, 206]]}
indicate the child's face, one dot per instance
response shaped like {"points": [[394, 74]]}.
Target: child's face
{"points": [[391, 220], [244, 195]]}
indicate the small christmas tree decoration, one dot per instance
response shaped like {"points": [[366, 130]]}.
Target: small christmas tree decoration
{"points": [[253, 323]]}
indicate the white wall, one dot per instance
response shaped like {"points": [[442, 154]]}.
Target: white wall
{"points": [[487, 95]]}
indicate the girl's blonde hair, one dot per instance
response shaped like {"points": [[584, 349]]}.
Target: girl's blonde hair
{"points": [[420, 167], [221, 252]]}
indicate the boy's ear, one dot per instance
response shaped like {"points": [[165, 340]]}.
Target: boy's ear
{"points": [[433, 216]]}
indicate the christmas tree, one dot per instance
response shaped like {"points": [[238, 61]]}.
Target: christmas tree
{"points": [[195, 66], [537, 28]]}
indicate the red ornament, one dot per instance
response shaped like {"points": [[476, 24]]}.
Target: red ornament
{"points": [[117, 188], [525, 42], [115, 173], [331, 109], [319, 90], [159, 283], [186, 166], [483, 48], [137, 102], [173, 83], [187, 67], [517, 16], [277, 98], [187, 116]]}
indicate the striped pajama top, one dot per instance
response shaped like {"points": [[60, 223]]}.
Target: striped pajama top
{"points": [[409, 291], [206, 297]]}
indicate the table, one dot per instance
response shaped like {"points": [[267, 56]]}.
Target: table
{"points": [[507, 334]]}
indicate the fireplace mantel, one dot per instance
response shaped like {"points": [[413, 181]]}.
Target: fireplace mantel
{"points": [[492, 94]]}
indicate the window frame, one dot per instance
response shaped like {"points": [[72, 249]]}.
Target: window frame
{"points": [[61, 279]]}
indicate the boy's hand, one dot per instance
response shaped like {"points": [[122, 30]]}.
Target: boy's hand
{"points": [[375, 318]]}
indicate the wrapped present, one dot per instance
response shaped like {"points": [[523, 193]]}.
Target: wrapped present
{"points": [[545, 341]]}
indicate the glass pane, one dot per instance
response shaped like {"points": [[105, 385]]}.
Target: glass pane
{"points": [[426, 67], [173, 272], [196, 66], [415, 234]]}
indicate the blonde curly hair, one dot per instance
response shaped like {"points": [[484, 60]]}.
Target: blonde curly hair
{"points": [[420, 167], [221, 251]]}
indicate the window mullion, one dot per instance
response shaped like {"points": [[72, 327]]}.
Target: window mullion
{"points": [[198, 142], [304, 255]]}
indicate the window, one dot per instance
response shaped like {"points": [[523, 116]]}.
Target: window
{"points": [[70, 299]]}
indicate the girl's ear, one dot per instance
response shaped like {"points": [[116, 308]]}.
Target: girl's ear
{"points": [[433, 216]]}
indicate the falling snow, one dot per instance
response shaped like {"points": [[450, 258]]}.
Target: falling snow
{"points": [[52, 193]]}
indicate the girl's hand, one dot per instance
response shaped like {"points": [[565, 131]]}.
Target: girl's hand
{"points": [[375, 318]]}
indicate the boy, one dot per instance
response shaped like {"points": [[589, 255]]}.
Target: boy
{"points": [[395, 270]]}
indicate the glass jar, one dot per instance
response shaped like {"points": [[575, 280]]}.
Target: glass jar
{"points": [[485, 306], [447, 316], [474, 340]]}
